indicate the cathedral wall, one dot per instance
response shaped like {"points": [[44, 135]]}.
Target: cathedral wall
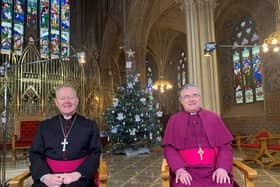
{"points": [[252, 124], [248, 118]]}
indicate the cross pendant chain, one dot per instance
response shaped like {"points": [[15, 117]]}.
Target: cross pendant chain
{"points": [[65, 134], [64, 143], [200, 152]]}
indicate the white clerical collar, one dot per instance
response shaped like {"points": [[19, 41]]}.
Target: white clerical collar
{"points": [[193, 113], [67, 117]]}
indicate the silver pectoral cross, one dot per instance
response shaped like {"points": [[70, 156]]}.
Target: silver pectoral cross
{"points": [[64, 143], [200, 152]]}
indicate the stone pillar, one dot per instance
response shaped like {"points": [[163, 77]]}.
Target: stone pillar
{"points": [[214, 97], [135, 35], [202, 71], [193, 48]]}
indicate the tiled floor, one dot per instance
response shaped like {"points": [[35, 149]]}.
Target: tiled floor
{"points": [[144, 171]]}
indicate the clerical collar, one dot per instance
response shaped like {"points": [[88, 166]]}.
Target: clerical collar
{"points": [[193, 113], [66, 118]]}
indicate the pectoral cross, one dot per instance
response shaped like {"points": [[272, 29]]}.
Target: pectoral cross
{"points": [[64, 143], [200, 152]]}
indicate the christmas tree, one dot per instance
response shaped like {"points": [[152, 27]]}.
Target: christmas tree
{"points": [[133, 119]]}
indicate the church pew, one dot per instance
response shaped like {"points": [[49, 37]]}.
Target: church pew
{"points": [[18, 181], [249, 173]]}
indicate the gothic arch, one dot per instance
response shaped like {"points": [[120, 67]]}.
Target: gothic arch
{"points": [[229, 12], [227, 15], [31, 99], [149, 12]]}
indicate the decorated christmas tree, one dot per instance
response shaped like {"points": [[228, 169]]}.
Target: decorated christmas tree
{"points": [[133, 119]]}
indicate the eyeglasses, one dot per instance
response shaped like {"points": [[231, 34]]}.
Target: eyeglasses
{"points": [[193, 96]]}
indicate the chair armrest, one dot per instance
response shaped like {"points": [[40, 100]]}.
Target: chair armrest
{"points": [[270, 138], [247, 138], [164, 169], [165, 176], [103, 173], [276, 137], [18, 180], [249, 173], [244, 136]]}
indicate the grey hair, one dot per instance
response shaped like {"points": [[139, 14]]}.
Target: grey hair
{"points": [[188, 86], [66, 85]]}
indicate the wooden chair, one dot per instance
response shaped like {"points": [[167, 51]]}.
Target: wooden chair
{"points": [[271, 151], [18, 181], [260, 148], [249, 173], [25, 129]]}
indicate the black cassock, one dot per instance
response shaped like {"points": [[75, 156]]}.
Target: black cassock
{"points": [[83, 140]]}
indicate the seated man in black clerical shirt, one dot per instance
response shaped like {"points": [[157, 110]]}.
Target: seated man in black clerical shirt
{"points": [[66, 148]]}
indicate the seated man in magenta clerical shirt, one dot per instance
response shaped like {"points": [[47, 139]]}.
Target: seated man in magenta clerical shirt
{"points": [[197, 145], [66, 148]]}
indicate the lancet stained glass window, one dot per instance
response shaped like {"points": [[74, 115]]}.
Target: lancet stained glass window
{"points": [[149, 77], [6, 26], [18, 26], [248, 84], [181, 72], [32, 13], [47, 22]]}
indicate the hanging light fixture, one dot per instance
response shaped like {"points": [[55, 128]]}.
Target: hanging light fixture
{"points": [[273, 40], [162, 85]]}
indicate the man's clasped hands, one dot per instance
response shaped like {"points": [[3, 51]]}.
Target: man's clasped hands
{"points": [[56, 180]]}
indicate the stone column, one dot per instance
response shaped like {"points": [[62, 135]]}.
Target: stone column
{"points": [[193, 48], [203, 71], [211, 80]]}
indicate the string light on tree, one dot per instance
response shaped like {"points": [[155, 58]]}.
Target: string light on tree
{"points": [[132, 119]]}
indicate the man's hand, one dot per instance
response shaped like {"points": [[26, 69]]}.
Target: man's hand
{"points": [[53, 180], [220, 176], [71, 177], [183, 176]]}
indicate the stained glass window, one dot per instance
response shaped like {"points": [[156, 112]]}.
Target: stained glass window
{"points": [[247, 63], [149, 73], [181, 72], [65, 27], [55, 26], [18, 26], [32, 13], [44, 28], [22, 21], [6, 26]]}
